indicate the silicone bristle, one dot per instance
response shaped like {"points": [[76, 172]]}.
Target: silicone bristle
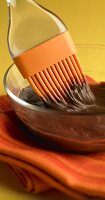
{"points": [[56, 81]]}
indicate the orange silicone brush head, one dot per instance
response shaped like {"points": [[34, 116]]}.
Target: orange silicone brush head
{"points": [[52, 68]]}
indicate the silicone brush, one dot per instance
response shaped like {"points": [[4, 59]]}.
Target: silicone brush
{"points": [[43, 51]]}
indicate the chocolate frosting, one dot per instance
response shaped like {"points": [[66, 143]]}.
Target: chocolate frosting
{"points": [[79, 100]]}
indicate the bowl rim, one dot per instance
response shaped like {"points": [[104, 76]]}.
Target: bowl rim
{"points": [[37, 108], [24, 103]]}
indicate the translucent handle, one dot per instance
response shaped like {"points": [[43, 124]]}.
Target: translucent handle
{"points": [[30, 25]]}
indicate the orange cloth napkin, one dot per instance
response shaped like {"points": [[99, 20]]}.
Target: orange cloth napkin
{"points": [[82, 177]]}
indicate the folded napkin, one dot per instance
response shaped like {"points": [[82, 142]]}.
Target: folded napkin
{"points": [[82, 177]]}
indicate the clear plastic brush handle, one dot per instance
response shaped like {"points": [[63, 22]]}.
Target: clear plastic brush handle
{"points": [[30, 25]]}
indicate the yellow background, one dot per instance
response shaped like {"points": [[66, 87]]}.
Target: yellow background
{"points": [[86, 22]]}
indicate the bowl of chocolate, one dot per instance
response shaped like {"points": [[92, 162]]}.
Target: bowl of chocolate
{"points": [[75, 127]]}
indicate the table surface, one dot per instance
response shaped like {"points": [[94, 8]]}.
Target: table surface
{"points": [[85, 20]]}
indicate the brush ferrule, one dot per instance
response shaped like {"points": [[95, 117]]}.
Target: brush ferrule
{"points": [[45, 55]]}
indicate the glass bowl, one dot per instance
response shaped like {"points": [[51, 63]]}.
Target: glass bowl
{"points": [[78, 133]]}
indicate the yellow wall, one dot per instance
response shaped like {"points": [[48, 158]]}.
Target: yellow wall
{"points": [[84, 18]]}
